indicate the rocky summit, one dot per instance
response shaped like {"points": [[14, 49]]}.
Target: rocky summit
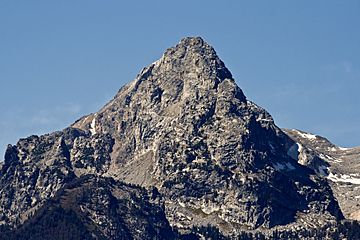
{"points": [[178, 153]]}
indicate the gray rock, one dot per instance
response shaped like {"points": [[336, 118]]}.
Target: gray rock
{"points": [[184, 127], [340, 166], [93, 207]]}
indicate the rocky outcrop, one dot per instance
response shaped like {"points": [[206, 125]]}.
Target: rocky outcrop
{"points": [[185, 128], [93, 207], [340, 166]]}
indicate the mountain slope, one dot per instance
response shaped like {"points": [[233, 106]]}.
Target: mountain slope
{"points": [[339, 165], [101, 208], [184, 127]]}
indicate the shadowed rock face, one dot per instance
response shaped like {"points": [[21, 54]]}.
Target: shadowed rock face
{"points": [[184, 127]]}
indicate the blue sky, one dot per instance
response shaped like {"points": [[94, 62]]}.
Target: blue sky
{"points": [[60, 60]]}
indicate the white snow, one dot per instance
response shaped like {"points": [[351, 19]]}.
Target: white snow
{"points": [[306, 135], [93, 126], [333, 149], [343, 178], [263, 119], [343, 149], [300, 147], [293, 151], [324, 156], [339, 177]]}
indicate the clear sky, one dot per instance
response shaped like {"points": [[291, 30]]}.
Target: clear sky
{"points": [[62, 59]]}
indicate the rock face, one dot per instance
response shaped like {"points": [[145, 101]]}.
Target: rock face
{"points": [[339, 165], [102, 208], [184, 129]]}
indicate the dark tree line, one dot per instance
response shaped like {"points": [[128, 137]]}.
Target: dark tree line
{"points": [[59, 224]]}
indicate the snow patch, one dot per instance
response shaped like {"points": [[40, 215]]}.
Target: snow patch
{"points": [[343, 178], [306, 135], [333, 149], [326, 157], [263, 119], [93, 126], [343, 149], [293, 151], [300, 147]]}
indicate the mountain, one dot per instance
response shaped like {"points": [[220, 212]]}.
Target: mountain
{"points": [[95, 207], [339, 165], [178, 150]]}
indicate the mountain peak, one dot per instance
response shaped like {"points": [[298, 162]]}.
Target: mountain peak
{"points": [[193, 54], [184, 128], [192, 41], [186, 75], [194, 44]]}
